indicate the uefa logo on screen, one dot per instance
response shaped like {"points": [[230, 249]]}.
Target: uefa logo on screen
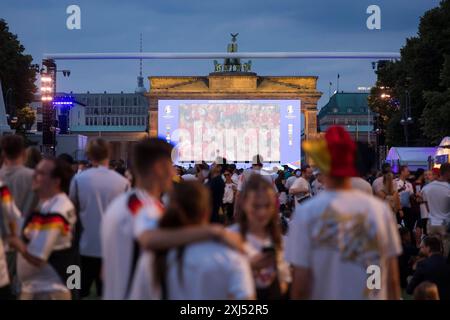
{"points": [[290, 109]]}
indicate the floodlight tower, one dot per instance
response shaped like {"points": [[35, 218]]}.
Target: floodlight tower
{"points": [[48, 89]]}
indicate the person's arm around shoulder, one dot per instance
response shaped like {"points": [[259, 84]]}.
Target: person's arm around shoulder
{"points": [[163, 239]]}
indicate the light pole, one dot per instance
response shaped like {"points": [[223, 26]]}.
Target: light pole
{"points": [[406, 119]]}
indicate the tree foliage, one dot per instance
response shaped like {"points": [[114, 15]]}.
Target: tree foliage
{"points": [[25, 119], [16, 71], [419, 72], [436, 114]]}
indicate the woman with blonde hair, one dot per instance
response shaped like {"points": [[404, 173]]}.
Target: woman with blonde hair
{"points": [[390, 195], [259, 223]]}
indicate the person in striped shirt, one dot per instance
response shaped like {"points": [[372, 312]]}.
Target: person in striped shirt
{"points": [[46, 247]]}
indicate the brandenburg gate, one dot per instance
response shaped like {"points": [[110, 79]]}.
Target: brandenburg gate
{"points": [[234, 80]]}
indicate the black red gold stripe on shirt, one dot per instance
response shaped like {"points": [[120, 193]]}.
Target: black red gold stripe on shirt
{"points": [[52, 221]]}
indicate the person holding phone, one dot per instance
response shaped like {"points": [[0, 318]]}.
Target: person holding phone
{"points": [[259, 224]]}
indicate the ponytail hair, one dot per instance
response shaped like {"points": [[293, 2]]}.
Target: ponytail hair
{"points": [[189, 203], [388, 179]]}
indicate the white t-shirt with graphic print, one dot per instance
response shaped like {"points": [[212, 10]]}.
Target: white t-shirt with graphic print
{"points": [[338, 235]]}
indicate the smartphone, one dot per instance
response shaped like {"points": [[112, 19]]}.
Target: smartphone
{"points": [[269, 249]]}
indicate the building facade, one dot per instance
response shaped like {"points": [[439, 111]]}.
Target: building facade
{"points": [[350, 110], [119, 118]]}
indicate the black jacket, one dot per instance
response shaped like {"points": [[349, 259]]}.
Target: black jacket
{"points": [[433, 269], [217, 187], [404, 263]]}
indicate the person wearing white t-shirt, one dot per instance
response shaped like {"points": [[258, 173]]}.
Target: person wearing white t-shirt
{"points": [[130, 224], [47, 247], [317, 186], [301, 189], [359, 183], [258, 222], [406, 191], [436, 196], [199, 271], [92, 191], [289, 181], [189, 177], [235, 175], [337, 236], [10, 220], [256, 168], [378, 183]]}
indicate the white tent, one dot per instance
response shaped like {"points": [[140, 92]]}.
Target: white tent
{"points": [[414, 158], [442, 154]]}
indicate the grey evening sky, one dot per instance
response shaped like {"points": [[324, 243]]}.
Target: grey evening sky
{"points": [[204, 25]]}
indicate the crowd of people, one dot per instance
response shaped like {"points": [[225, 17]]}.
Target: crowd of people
{"points": [[152, 230], [216, 123]]}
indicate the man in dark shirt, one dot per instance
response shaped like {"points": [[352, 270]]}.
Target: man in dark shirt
{"points": [[217, 187], [433, 269], [409, 251]]}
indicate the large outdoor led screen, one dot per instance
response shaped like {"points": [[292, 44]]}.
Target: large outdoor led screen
{"points": [[202, 130]]}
